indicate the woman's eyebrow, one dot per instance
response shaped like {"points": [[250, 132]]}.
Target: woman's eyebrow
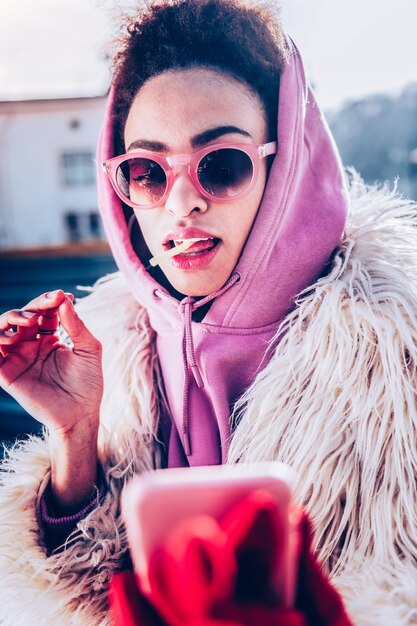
{"points": [[146, 144], [213, 133], [201, 139]]}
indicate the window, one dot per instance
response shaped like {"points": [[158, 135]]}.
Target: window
{"points": [[82, 226], [73, 226], [77, 168], [95, 225]]}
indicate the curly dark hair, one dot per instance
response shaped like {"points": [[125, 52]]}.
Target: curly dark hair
{"points": [[243, 41]]}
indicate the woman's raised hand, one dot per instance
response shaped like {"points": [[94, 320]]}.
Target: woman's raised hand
{"points": [[61, 386], [58, 385]]}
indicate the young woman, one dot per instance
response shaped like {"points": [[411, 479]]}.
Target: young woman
{"points": [[277, 330]]}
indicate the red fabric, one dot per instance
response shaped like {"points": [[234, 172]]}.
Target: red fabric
{"points": [[213, 573]]}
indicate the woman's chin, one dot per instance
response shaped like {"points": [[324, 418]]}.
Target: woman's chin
{"points": [[194, 283]]}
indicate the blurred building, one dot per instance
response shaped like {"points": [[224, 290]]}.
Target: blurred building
{"points": [[47, 171]]}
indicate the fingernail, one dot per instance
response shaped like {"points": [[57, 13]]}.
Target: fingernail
{"points": [[10, 333], [28, 314], [70, 295], [52, 294]]}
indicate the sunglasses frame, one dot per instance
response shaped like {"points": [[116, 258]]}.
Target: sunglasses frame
{"points": [[255, 152]]}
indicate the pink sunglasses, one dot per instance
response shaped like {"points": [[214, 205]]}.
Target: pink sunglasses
{"points": [[221, 172]]}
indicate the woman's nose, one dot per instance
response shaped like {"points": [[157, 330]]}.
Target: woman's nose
{"points": [[184, 197]]}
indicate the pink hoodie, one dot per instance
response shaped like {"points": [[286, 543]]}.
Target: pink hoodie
{"points": [[207, 365]]}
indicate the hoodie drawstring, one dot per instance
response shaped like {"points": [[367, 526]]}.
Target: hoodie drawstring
{"points": [[186, 307]]}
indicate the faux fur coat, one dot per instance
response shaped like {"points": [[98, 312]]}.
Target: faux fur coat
{"points": [[337, 401]]}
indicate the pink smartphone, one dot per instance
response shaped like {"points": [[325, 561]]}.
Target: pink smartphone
{"points": [[154, 503]]}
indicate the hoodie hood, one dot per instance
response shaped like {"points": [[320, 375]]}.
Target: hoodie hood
{"points": [[207, 365]]}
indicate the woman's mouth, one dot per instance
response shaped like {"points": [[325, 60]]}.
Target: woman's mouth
{"points": [[198, 255], [196, 248], [188, 249]]}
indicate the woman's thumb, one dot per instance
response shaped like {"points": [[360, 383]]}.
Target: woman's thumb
{"points": [[75, 327]]}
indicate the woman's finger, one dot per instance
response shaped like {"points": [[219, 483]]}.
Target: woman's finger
{"points": [[46, 304], [39, 316], [9, 337], [16, 325], [18, 317], [46, 301], [49, 322]]}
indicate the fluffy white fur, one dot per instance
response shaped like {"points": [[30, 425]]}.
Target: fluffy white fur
{"points": [[337, 400]]}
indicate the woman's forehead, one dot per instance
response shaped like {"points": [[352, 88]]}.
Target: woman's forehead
{"points": [[176, 106]]}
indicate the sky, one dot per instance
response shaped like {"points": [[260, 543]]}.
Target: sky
{"points": [[351, 48]]}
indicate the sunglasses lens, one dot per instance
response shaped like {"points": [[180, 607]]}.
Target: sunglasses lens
{"points": [[225, 173], [141, 180]]}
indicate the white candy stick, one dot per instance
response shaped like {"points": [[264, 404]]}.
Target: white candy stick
{"points": [[173, 251]]}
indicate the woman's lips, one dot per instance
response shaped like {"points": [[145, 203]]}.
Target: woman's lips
{"points": [[198, 246], [197, 256], [203, 246]]}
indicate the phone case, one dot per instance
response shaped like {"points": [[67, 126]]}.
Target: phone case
{"points": [[155, 503]]}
